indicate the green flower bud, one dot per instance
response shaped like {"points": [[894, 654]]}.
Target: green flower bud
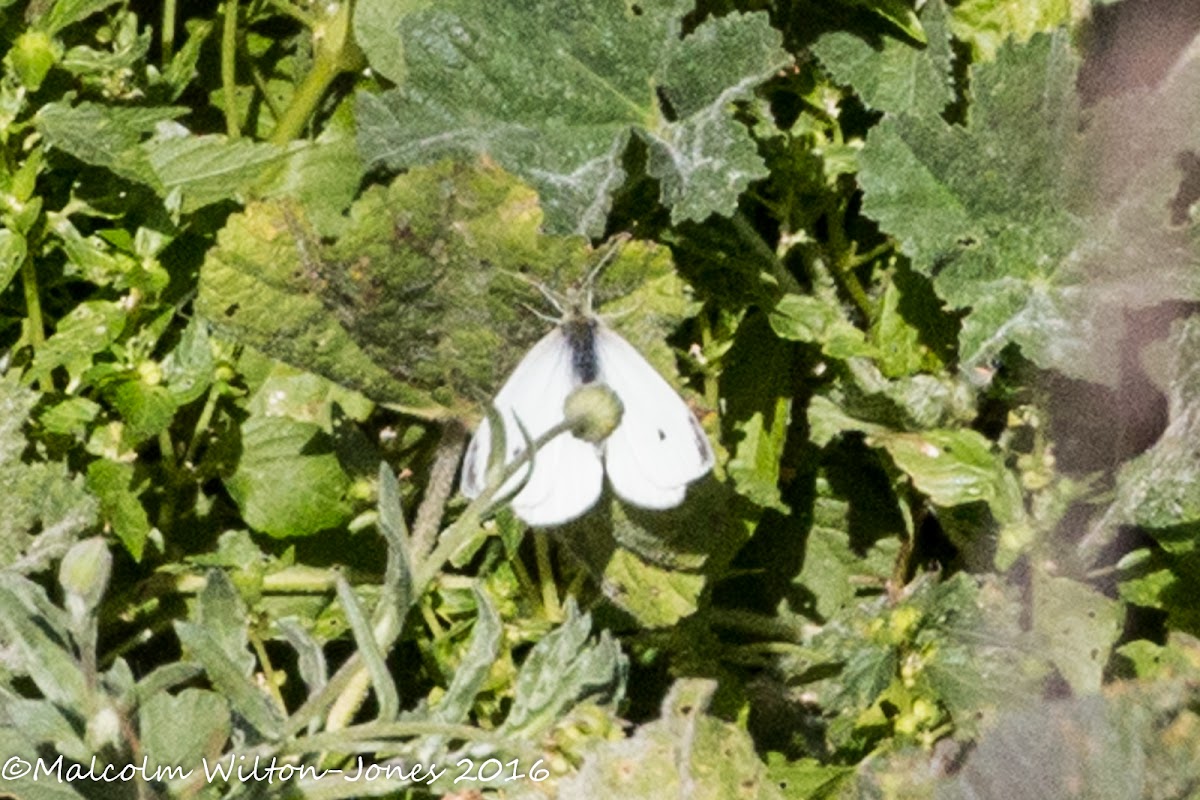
{"points": [[593, 411], [83, 575]]}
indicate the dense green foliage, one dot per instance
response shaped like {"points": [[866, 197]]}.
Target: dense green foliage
{"points": [[934, 304]]}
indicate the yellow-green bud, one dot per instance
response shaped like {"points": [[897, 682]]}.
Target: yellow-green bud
{"points": [[593, 411], [83, 575]]}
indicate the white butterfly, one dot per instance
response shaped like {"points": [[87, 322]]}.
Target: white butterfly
{"points": [[655, 452]]}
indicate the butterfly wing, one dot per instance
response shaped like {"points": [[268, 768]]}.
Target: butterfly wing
{"points": [[659, 447], [567, 472]]}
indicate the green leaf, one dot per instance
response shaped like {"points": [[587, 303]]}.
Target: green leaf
{"points": [[562, 669], [808, 777], [32, 56], [986, 25], [369, 651], [106, 136], [554, 97], [685, 753], [323, 176], [1076, 627], [45, 508], [207, 169], [476, 663], [244, 697], [841, 551], [758, 387], [954, 467], [428, 261], [143, 145], [42, 722], [146, 409], [188, 368], [803, 318], [112, 483], [26, 788], [1013, 222], [36, 633], [12, 255], [67, 12], [892, 75], [88, 329], [222, 613], [397, 579], [183, 728], [288, 481], [656, 597], [71, 417]]}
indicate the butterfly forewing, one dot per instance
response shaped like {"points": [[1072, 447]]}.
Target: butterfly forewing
{"points": [[567, 474]]}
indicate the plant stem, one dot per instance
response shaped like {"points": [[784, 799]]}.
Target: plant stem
{"points": [[33, 303], [206, 413], [439, 488], [787, 282], [541, 549], [304, 102], [844, 262], [167, 39], [229, 68]]}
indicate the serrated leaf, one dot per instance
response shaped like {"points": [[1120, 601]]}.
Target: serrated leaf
{"points": [[86, 330], [562, 669], [288, 480], [146, 409], [839, 556], [892, 75], [554, 96], [143, 145], [1012, 218], [208, 169], [112, 483]]}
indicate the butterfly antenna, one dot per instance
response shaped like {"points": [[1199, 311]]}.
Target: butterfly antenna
{"points": [[540, 315], [546, 293], [614, 246]]}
